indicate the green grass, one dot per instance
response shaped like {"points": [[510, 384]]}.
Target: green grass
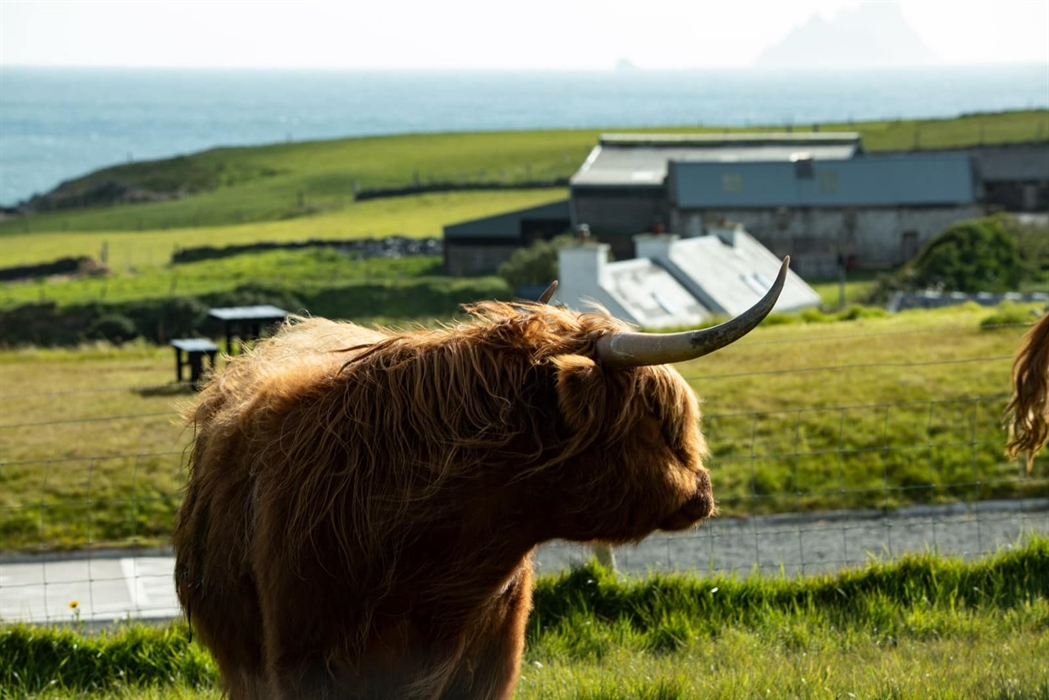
{"points": [[138, 251], [920, 627], [303, 270], [254, 184], [857, 284], [874, 412]]}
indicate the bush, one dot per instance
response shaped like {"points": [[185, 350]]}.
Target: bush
{"points": [[536, 264], [971, 256], [993, 254], [115, 328], [161, 320], [1007, 315]]}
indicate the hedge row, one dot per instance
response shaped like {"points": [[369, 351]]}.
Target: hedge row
{"points": [[160, 320]]}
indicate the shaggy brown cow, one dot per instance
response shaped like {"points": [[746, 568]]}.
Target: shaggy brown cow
{"points": [[363, 505], [1029, 405]]}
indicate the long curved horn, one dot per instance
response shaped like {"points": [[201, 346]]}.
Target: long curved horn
{"points": [[638, 349]]}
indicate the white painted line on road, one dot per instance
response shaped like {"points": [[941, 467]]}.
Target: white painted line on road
{"points": [[136, 587]]}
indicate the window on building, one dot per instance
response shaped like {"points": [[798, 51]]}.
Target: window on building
{"points": [[732, 183], [829, 183]]}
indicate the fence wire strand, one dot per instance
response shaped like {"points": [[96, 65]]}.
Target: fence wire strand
{"points": [[802, 490]]}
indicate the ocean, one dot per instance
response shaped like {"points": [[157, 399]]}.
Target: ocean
{"points": [[58, 123]]}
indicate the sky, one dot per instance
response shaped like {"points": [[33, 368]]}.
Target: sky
{"points": [[479, 34]]}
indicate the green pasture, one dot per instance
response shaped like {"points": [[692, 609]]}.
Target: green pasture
{"points": [[231, 186], [870, 412], [309, 270], [133, 251], [923, 627]]}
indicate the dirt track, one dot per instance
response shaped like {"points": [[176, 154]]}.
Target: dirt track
{"points": [[824, 542]]}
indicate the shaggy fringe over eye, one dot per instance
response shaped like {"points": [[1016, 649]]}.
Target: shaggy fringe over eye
{"points": [[337, 429], [1029, 405]]}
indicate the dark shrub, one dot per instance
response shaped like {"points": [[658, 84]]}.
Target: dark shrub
{"points": [[115, 328], [971, 256], [536, 264]]}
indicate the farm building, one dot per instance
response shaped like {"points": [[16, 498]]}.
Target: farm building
{"points": [[479, 246], [620, 190], [816, 196], [874, 211], [1014, 178], [677, 282]]}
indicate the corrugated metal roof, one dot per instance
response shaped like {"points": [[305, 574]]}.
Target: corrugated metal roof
{"points": [[733, 272], [681, 283], [619, 165], [896, 180], [652, 296]]}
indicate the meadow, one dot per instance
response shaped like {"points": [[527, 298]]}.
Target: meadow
{"points": [[138, 252], [876, 411], [231, 186], [811, 412], [920, 627]]}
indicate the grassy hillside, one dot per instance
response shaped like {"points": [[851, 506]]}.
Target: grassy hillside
{"points": [[874, 412], [418, 215], [239, 185]]}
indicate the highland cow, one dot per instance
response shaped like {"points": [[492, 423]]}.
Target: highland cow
{"points": [[1029, 405], [362, 505]]}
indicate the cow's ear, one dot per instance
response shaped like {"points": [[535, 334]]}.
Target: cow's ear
{"points": [[581, 390]]}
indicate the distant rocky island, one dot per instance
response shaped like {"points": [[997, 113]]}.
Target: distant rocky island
{"points": [[874, 35]]}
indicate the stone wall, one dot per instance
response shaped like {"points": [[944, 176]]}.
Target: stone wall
{"points": [[462, 259], [869, 238]]}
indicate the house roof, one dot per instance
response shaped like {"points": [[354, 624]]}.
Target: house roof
{"points": [[874, 180], [634, 160], [678, 282], [652, 296], [730, 271]]}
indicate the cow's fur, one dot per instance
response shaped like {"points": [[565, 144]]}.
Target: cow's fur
{"points": [[1029, 405], [362, 505]]}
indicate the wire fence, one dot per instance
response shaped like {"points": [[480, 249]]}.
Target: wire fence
{"points": [[804, 489]]}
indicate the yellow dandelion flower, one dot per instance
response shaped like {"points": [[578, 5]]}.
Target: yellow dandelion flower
{"points": [[74, 604]]}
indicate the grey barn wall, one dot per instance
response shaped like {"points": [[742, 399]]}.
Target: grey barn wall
{"points": [[872, 238], [620, 211], [463, 259]]}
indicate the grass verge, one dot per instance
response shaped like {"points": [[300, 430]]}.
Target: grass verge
{"points": [[921, 627]]}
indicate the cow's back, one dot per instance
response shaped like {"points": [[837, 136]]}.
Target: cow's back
{"points": [[212, 541]]}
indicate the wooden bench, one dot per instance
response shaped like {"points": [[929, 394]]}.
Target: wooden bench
{"points": [[190, 352]]}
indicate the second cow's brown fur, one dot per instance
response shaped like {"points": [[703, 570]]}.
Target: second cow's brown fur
{"points": [[1028, 408]]}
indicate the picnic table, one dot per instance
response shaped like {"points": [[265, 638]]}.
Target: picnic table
{"points": [[246, 323], [190, 352]]}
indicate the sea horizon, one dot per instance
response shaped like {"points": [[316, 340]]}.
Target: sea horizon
{"points": [[58, 123]]}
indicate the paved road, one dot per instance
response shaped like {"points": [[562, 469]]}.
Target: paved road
{"points": [[112, 586]]}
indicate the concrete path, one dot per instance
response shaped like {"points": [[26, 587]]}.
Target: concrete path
{"points": [[110, 586]]}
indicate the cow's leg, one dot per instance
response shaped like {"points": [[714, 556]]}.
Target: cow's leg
{"points": [[490, 667]]}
